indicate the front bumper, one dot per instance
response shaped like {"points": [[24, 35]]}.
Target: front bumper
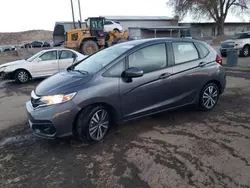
{"points": [[224, 50], [6, 75], [52, 121]]}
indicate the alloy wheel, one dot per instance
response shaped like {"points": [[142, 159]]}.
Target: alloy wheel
{"points": [[23, 76], [99, 124], [246, 51], [210, 97]]}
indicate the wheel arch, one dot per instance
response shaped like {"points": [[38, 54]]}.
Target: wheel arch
{"points": [[86, 39], [19, 69], [109, 107], [217, 83], [246, 45], [116, 29]]}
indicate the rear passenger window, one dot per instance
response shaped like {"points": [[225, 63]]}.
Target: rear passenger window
{"points": [[202, 49], [184, 52]]}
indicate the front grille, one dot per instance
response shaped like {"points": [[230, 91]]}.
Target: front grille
{"points": [[227, 45]]}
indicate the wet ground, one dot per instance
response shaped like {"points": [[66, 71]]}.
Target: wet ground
{"points": [[184, 148]]}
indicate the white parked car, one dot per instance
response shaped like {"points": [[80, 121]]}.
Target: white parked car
{"points": [[43, 64], [112, 25], [240, 42]]}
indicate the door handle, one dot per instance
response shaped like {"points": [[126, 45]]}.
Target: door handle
{"points": [[164, 75], [202, 64]]}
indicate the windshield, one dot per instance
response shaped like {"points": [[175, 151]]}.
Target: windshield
{"points": [[34, 57], [238, 36], [102, 58]]}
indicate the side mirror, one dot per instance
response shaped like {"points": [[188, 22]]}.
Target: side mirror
{"points": [[132, 72]]}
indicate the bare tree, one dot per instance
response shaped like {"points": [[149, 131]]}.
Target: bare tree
{"points": [[210, 9]]}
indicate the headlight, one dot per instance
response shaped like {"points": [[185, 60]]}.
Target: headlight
{"points": [[2, 69], [56, 99]]}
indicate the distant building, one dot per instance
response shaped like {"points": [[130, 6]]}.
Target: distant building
{"points": [[209, 29], [149, 26]]}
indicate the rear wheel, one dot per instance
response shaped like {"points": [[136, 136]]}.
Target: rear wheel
{"points": [[89, 47], [21, 76], [93, 124], [209, 97]]}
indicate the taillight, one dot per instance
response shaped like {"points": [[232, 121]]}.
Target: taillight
{"points": [[219, 59]]}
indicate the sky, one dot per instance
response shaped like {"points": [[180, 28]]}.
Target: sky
{"points": [[21, 15]]}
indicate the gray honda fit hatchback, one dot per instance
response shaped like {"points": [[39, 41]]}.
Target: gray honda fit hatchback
{"points": [[126, 81]]}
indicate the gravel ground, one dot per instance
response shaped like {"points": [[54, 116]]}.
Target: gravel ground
{"points": [[184, 148]]}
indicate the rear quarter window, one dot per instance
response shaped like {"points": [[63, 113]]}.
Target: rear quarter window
{"points": [[203, 50]]}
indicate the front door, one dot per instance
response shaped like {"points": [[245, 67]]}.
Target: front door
{"points": [[45, 65], [149, 93]]}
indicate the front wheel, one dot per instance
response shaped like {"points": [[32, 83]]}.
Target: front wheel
{"points": [[21, 76], [93, 124], [89, 47], [245, 51], [208, 97]]}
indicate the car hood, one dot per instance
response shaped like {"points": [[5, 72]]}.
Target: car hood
{"points": [[62, 83], [14, 63], [228, 41]]}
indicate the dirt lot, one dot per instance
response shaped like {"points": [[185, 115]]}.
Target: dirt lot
{"points": [[184, 148]]}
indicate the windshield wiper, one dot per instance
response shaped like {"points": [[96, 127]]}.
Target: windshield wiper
{"points": [[80, 71]]}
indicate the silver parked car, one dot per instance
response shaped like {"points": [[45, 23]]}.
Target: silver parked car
{"points": [[124, 82]]}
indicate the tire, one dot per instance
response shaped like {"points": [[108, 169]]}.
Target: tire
{"points": [[87, 126], [89, 43], [209, 91], [245, 51], [22, 76]]}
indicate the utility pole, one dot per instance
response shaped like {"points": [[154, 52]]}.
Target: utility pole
{"points": [[72, 8], [80, 12]]}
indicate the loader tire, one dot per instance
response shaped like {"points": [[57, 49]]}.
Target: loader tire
{"points": [[89, 47]]}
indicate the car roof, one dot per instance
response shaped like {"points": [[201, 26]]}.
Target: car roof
{"points": [[140, 42], [51, 49]]}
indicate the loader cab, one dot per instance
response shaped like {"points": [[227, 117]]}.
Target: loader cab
{"points": [[96, 26]]}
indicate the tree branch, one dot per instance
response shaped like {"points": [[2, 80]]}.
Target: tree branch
{"points": [[228, 5]]}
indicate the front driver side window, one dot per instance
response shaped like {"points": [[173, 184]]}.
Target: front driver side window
{"points": [[52, 55], [150, 58]]}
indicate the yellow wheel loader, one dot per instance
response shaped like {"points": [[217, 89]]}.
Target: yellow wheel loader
{"points": [[92, 38]]}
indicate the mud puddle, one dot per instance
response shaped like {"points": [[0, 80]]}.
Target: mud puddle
{"points": [[15, 140]]}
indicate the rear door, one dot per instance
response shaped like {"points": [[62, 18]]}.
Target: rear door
{"points": [[149, 93], [189, 71], [66, 59]]}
